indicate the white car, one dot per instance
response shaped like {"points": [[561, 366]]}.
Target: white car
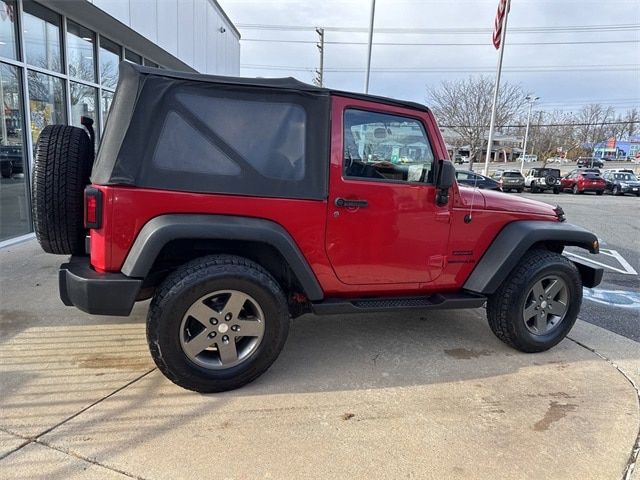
{"points": [[541, 179]]}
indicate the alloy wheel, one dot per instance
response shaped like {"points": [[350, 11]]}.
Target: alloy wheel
{"points": [[546, 305], [222, 329]]}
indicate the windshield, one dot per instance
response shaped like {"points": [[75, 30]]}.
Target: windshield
{"points": [[625, 177], [543, 172]]}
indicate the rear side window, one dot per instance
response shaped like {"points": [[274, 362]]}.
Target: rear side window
{"points": [[270, 137], [384, 147]]}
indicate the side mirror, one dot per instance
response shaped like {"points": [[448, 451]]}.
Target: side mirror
{"points": [[446, 178]]}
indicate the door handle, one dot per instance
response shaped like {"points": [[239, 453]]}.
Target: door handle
{"points": [[344, 203]]}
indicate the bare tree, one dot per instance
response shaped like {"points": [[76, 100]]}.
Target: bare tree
{"points": [[465, 106]]}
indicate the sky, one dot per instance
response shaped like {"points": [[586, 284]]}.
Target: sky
{"points": [[566, 73]]}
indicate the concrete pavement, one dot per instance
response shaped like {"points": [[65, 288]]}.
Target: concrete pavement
{"points": [[350, 397]]}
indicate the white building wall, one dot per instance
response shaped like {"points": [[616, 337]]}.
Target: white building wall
{"points": [[190, 30]]}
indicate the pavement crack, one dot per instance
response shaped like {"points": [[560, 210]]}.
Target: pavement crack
{"points": [[87, 459], [36, 438], [635, 449]]}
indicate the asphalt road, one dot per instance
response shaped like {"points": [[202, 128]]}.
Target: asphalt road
{"points": [[614, 304]]}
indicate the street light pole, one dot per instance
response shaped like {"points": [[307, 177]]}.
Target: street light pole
{"points": [[531, 101], [373, 12]]}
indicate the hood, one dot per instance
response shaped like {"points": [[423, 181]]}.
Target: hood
{"points": [[511, 203]]}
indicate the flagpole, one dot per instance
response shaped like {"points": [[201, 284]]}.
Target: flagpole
{"points": [[369, 46], [496, 87]]}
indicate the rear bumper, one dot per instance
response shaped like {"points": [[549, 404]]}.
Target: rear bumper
{"points": [[94, 292]]}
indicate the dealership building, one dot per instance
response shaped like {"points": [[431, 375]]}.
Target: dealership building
{"points": [[59, 62]]}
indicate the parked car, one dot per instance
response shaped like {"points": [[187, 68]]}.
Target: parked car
{"points": [[11, 160], [618, 170], [584, 162], [619, 183], [580, 181], [541, 179], [234, 218], [472, 179], [510, 180], [529, 158]]}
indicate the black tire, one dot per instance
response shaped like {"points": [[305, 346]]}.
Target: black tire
{"points": [[556, 190], [63, 161], [505, 306], [191, 282], [599, 192], [7, 170], [534, 188], [520, 190], [575, 190], [616, 191]]}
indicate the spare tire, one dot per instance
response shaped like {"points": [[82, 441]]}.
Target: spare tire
{"points": [[551, 180], [63, 161]]}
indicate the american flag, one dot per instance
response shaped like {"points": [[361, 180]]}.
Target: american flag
{"points": [[497, 31]]}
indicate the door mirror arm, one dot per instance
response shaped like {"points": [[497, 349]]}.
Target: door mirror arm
{"points": [[445, 180]]}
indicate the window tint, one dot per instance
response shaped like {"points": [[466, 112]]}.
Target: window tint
{"points": [[511, 174], [202, 156], [380, 146], [462, 175], [269, 136]]}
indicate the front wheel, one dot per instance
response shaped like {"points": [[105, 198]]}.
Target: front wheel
{"points": [[538, 303], [534, 188], [616, 190], [556, 190], [217, 323]]}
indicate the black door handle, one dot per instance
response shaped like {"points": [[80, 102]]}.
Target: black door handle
{"points": [[344, 203]]}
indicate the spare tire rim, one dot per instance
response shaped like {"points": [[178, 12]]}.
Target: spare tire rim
{"points": [[551, 180], [222, 329], [546, 305]]}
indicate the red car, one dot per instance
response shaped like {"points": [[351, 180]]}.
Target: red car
{"points": [[581, 182], [238, 204]]}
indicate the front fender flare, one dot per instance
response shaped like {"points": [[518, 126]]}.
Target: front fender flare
{"points": [[158, 231], [513, 241]]}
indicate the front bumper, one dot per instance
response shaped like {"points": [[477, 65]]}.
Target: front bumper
{"points": [[94, 292], [630, 189]]}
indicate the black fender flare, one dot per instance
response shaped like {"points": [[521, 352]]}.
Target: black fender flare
{"points": [[514, 240], [160, 230]]}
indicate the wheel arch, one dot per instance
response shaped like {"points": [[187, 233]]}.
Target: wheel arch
{"points": [[186, 236], [516, 239]]}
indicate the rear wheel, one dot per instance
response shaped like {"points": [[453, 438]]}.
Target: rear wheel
{"points": [[575, 190], [63, 161], [538, 303], [217, 323], [534, 187]]}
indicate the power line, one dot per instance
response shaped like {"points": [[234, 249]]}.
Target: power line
{"points": [[597, 124], [436, 44], [447, 31], [521, 69]]}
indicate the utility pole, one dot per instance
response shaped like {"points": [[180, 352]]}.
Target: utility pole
{"points": [[319, 78], [531, 101], [373, 13]]}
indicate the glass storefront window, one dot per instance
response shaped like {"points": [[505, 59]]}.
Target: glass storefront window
{"points": [[107, 98], [41, 32], [8, 20], [80, 52], [46, 102], [109, 60], [132, 57], [84, 100], [14, 202]]}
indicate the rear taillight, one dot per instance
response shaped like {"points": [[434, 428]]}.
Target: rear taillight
{"points": [[92, 207]]}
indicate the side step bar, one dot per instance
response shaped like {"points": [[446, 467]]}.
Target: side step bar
{"points": [[438, 301]]}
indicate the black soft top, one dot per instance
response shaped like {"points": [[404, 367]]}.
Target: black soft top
{"points": [[283, 84], [212, 134]]}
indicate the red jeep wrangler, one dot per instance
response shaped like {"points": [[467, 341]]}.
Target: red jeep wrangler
{"points": [[236, 204]]}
